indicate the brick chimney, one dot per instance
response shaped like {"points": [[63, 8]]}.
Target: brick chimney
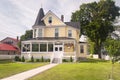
{"points": [[62, 18], [17, 38]]}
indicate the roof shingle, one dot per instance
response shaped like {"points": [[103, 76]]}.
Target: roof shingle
{"points": [[7, 47], [39, 17], [73, 24]]}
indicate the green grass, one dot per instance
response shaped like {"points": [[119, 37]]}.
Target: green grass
{"points": [[80, 71], [8, 68]]}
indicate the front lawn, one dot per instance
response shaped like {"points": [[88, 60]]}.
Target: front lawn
{"points": [[80, 71], [8, 68]]}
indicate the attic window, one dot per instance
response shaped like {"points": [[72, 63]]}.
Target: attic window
{"points": [[50, 20]]}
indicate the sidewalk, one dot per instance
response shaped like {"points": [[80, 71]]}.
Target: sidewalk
{"points": [[29, 73]]}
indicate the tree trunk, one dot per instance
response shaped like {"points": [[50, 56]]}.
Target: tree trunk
{"points": [[99, 55], [98, 51]]}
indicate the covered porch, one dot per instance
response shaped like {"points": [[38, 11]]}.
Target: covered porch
{"points": [[50, 49]]}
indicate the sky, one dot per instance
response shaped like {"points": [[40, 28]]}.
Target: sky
{"points": [[17, 16]]}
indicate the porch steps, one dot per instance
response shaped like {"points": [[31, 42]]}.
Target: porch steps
{"points": [[56, 60]]}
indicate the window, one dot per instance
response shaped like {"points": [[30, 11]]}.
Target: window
{"points": [[35, 47], [81, 49], [50, 20], [56, 32], [56, 48], [40, 32], [69, 33], [26, 48], [50, 47], [43, 47], [60, 48]]}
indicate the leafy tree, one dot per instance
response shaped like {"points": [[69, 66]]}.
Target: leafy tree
{"points": [[28, 35], [113, 48], [96, 21], [91, 47]]}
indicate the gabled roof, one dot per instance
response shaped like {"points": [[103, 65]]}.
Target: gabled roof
{"points": [[39, 21], [73, 24], [7, 47], [11, 39], [50, 12]]}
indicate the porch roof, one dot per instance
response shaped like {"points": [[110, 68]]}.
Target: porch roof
{"points": [[50, 38]]}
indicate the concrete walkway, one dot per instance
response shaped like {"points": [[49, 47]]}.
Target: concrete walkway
{"points": [[27, 74]]}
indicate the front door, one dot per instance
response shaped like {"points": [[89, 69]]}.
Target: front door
{"points": [[58, 51]]}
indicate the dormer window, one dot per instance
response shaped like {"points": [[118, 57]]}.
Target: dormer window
{"points": [[50, 20]]}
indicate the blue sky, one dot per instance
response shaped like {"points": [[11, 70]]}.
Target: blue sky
{"points": [[17, 16]]}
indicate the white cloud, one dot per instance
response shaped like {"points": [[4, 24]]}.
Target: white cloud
{"points": [[16, 16]]}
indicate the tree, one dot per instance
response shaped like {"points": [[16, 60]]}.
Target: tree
{"points": [[28, 35], [96, 21], [113, 48], [91, 47]]}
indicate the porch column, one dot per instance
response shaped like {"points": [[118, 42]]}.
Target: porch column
{"points": [[63, 47], [75, 51], [22, 47], [39, 46], [37, 35], [53, 46], [47, 46], [33, 34], [30, 46]]}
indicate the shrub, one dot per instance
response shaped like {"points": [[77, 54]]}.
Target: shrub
{"points": [[47, 60], [71, 60], [37, 60], [42, 59], [32, 59], [17, 58], [23, 59], [64, 60]]}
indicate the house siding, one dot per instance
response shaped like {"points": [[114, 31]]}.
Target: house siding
{"points": [[55, 20]]}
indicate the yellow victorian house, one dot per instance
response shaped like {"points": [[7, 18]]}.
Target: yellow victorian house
{"points": [[53, 39]]}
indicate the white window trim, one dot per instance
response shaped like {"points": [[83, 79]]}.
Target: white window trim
{"points": [[40, 34], [68, 33], [57, 32]]}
